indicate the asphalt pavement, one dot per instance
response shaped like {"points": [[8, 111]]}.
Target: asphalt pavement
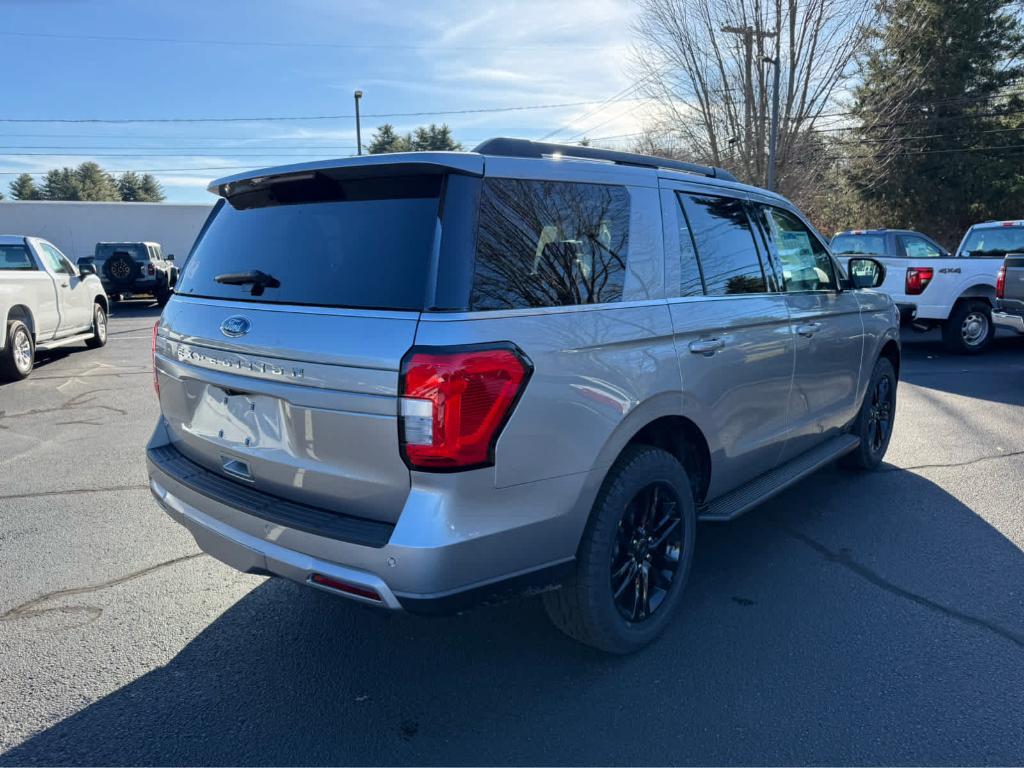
{"points": [[856, 618]]}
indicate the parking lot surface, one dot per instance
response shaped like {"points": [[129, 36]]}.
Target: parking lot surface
{"points": [[853, 619]]}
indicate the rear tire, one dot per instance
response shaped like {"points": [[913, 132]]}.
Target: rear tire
{"points": [[634, 558], [875, 419], [99, 328], [18, 354], [162, 294], [969, 328]]}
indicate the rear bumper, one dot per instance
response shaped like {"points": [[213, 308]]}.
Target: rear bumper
{"points": [[1006, 319], [448, 550], [908, 312]]}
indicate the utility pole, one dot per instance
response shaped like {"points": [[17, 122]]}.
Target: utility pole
{"points": [[773, 141], [359, 136], [749, 34]]}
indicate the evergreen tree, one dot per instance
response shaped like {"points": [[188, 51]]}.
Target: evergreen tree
{"points": [[151, 191], [60, 184], [938, 119], [134, 188], [24, 188], [95, 184], [433, 138], [386, 140]]}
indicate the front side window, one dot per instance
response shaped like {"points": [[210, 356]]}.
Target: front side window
{"points": [[15, 258], [725, 245], [918, 248], [54, 259], [806, 265], [550, 244]]}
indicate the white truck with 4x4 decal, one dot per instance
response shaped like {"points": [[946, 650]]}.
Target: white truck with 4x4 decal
{"points": [[933, 287]]}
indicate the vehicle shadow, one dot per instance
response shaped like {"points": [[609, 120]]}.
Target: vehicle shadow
{"points": [[135, 308], [869, 619], [993, 375]]}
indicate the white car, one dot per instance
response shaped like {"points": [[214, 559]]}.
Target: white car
{"points": [[932, 287], [45, 302]]}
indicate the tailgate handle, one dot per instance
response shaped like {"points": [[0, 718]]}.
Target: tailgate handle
{"points": [[236, 468]]}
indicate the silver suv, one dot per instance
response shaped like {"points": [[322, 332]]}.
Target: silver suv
{"points": [[426, 380]]}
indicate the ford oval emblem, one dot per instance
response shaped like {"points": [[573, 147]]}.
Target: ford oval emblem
{"points": [[235, 326]]}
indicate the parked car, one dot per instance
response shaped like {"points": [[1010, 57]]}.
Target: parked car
{"points": [[1009, 311], [45, 302], [933, 288], [133, 269], [530, 367]]}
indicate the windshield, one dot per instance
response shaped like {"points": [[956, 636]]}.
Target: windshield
{"points": [[105, 250], [363, 243], [871, 244], [993, 242]]}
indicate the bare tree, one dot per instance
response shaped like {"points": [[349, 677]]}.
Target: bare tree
{"points": [[713, 86]]}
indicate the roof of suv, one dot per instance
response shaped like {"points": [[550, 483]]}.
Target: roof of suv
{"points": [[879, 232], [997, 224], [473, 163]]}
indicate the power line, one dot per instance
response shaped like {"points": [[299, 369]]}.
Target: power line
{"points": [[302, 44], [275, 118]]}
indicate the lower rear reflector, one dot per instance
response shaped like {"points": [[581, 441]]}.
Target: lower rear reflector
{"points": [[348, 589]]}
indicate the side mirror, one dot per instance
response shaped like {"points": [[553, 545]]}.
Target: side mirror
{"points": [[169, 257], [86, 266], [866, 273]]}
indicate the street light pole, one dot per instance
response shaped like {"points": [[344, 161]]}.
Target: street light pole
{"points": [[773, 141], [359, 135]]}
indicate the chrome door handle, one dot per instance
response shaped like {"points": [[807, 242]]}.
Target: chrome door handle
{"points": [[808, 329], [706, 347]]}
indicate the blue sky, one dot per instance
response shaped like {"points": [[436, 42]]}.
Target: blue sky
{"points": [[115, 59]]}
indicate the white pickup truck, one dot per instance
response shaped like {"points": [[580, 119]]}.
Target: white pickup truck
{"points": [[933, 287], [45, 302]]}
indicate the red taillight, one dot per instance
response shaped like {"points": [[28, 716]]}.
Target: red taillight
{"points": [[345, 587], [151, 270], [156, 378], [1001, 283], [918, 279], [455, 403]]}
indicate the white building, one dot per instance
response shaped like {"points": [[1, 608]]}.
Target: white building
{"points": [[76, 227]]}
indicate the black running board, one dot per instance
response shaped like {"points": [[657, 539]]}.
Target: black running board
{"points": [[736, 502]]}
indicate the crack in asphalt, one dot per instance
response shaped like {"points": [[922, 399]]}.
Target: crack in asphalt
{"points": [[29, 608], [78, 401], [843, 558], [100, 489], [1005, 455]]}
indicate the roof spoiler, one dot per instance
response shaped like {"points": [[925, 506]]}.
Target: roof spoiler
{"points": [[505, 147]]}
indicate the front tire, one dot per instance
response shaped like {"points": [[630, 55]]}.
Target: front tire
{"points": [[875, 419], [969, 329], [18, 354], [634, 558], [99, 328]]}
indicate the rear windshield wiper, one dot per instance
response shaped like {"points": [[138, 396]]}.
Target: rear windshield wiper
{"points": [[257, 279]]}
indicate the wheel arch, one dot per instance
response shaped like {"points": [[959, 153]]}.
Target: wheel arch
{"points": [[103, 301], [891, 351], [18, 312], [978, 291]]}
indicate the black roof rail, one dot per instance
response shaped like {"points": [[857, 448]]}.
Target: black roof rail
{"points": [[506, 147]]}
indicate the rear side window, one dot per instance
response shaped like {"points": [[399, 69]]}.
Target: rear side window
{"points": [[333, 242], [873, 245], [725, 245], [15, 258], [549, 244]]}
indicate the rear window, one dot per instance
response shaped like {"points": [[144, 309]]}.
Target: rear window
{"points": [[873, 245], [362, 243], [136, 252], [550, 243], [992, 242]]}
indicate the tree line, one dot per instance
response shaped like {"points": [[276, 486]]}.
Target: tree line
{"points": [[88, 181], [893, 113]]}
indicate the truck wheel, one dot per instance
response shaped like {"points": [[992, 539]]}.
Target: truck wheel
{"points": [[969, 329], [634, 557], [162, 293], [99, 328], [18, 354], [875, 419]]}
